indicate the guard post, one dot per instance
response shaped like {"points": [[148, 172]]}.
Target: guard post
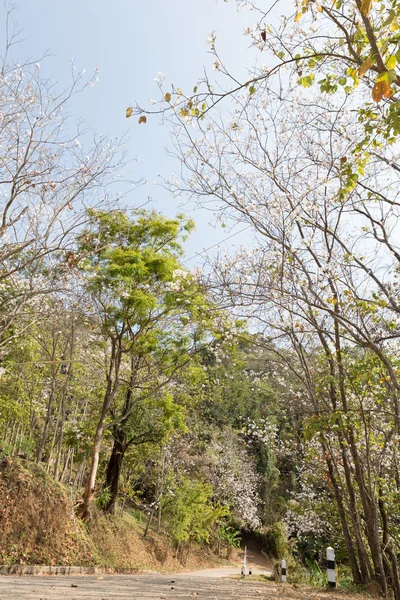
{"points": [[330, 566], [283, 570]]}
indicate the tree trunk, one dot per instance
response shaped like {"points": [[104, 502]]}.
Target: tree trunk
{"points": [[120, 446], [114, 469], [151, 515], [43, 441], [355, 570], [110, 393], [364, 562], [84, 508]]}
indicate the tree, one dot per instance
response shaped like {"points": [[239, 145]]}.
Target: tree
{"points": [[314, 173], [151, 421], [139, 293], [190, 512], [49, 176]]}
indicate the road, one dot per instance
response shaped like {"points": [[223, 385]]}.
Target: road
{"points": [[205, 583], [131, 587], [259, 563]]}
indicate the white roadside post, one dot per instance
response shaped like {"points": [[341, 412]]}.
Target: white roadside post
{"points": [[330, 566], [244, 561], [283, 570]]}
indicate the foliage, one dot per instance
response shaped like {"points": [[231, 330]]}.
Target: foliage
{"points": [[318, 576], [229, 536], [190, 512], [103, 497]]}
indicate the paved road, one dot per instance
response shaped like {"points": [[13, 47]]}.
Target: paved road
{"points": [[229, 571], [259, 563], [132, 587]]}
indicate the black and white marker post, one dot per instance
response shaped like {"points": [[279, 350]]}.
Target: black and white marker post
{"points": [[330, 567], [243, 570], [283, 570]]}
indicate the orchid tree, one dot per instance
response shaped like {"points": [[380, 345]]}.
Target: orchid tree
{"points": [[51, 171], [305, 154]]}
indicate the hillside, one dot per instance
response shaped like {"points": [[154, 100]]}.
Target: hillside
{"points": [[37, 528]]}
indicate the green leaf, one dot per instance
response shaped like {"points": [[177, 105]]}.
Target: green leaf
{"points": [[307, 80], [252, 90]]}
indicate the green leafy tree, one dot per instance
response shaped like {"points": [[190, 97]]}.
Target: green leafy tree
{"points": [[190, 512], [148, 310]]}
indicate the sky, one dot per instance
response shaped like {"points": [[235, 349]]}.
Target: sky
{"points": [[130, 41]]}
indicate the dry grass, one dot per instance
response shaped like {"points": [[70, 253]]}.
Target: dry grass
{"points": [[121, 544], [35, 516], [36, 528]]}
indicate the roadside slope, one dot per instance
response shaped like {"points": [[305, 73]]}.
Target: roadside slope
{"points": [[37, 528]]}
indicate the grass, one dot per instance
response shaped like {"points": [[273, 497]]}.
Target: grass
{"points": [[257, 578]]}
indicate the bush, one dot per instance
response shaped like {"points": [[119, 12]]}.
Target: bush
{"points": [[189, 512], [275, 542]]}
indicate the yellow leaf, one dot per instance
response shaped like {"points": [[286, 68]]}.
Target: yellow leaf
{"points": [[168, 97], [129, 112], [142, 119], [365, 7], [298, 17], [391, 62], [319, 8], [366, 65]]}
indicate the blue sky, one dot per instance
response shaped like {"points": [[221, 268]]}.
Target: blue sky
{"points": [[130, 41]]}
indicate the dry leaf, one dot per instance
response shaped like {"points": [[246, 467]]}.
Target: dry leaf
{"points": [[142, 119], [381, 90], [365, 66], [387, 91], [168, 97], [365, 7], [129, 112]]}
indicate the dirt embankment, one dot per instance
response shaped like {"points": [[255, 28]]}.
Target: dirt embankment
{"points": [[37, 528]]}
